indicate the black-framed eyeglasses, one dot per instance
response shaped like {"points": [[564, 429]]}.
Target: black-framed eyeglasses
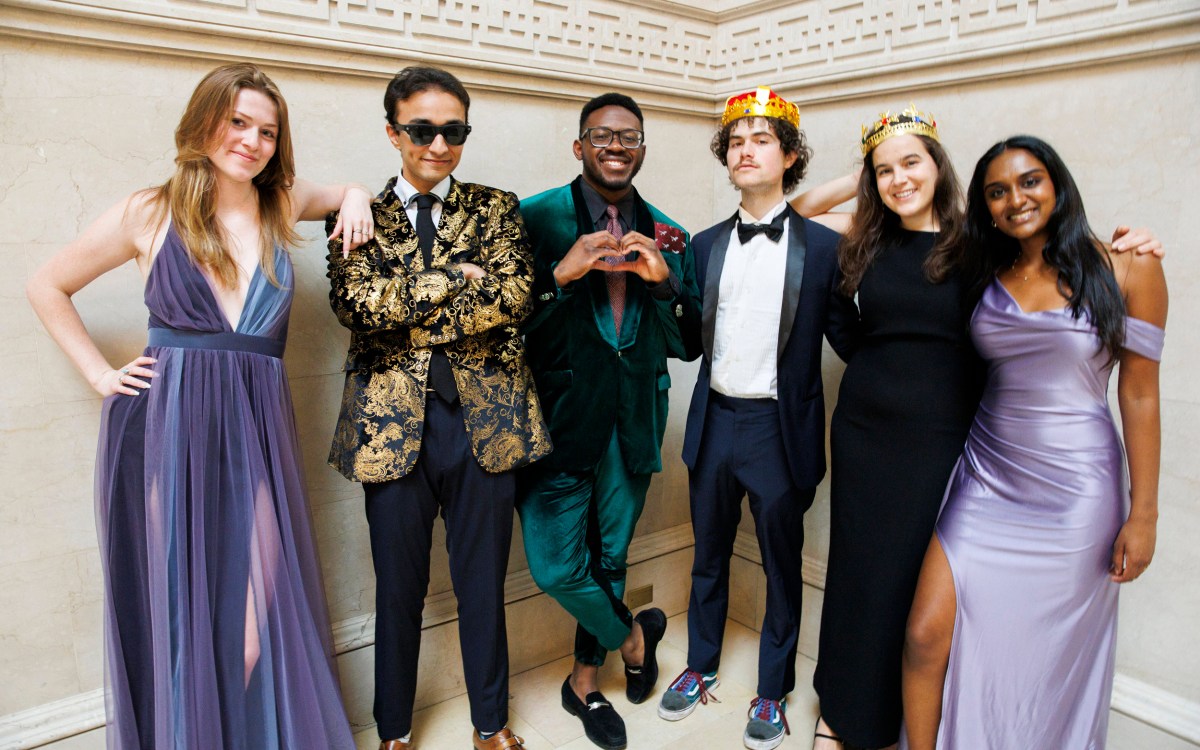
{"points": [[423, 134], [601, 137]]}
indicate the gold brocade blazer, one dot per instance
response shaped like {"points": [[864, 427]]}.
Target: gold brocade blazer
{"points": [[396, 308]]}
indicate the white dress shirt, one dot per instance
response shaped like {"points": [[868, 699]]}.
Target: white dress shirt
{"points": [[749, 301], [408, 196]]}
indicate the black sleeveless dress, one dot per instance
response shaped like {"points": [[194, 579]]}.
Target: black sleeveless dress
{"points": [[906, 403]]}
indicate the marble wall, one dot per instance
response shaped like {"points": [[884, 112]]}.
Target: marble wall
{"points": [[80, 131], [83, 125]]}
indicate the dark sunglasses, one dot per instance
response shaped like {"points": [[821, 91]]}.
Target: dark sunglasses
{"points": [[423, 134]]}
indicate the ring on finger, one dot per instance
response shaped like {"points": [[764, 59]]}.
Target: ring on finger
{"points": [[124, 371]]}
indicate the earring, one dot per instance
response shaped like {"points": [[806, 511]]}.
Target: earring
{"points": [[993, 223]]}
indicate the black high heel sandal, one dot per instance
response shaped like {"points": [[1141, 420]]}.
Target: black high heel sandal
{"points": [[818, 734]]}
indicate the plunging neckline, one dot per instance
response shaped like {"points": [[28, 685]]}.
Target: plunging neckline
{"points": [[235, 327], [1022, 310], [229, 324]]}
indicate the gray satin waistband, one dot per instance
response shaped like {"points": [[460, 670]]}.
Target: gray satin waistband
{"points": [[223, 340]]}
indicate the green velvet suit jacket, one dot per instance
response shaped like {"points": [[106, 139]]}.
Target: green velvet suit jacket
{"points": [[587, 380]]}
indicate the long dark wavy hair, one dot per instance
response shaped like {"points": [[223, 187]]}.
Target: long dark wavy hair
{"points": [[1085, 272], [875, 226]]}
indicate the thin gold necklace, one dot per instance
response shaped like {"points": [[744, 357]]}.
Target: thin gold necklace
{"points": [[1023, 274]]}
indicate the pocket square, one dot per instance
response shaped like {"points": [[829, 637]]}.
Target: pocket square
{"points": [[669, 238]]}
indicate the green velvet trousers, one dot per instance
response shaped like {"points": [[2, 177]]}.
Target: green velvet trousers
{"points": [[577, 526]]}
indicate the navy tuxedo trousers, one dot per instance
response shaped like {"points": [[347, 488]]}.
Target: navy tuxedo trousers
{"points": [[741, 454], [477, 508]]}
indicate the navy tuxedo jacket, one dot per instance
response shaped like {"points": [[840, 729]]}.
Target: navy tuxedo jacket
{"points": [[812, 307]]}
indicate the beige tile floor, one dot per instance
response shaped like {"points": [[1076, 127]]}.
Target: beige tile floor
{"points": [[536, 714]]}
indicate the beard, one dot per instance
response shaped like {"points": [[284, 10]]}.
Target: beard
{"points": [[596, 176]]}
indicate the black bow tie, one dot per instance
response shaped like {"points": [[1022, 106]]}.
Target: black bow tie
{"points": [[774, 230]]}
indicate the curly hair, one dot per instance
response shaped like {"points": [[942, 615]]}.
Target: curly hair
{"points": [[791, 141], [874, 226]]}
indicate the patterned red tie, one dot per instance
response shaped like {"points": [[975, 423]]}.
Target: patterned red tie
{"points": [[616, 279]]}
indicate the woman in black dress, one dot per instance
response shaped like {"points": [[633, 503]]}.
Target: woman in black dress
{"points": [[904, 407]]}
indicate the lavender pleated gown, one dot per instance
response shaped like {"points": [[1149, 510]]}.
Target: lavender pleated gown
{"points": [[1030, 516], [215, 623]]}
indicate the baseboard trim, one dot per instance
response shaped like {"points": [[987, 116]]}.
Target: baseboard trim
{"points": [[359, 632], [84, 712], [745, 546], [1158, 708], [53, 721], [1140, 701]]}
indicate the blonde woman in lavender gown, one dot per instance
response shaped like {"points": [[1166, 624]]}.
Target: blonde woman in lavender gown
{"points": [[1012, 634], [216, 634]]}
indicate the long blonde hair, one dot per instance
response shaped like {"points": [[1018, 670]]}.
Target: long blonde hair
{"points": [[190, 194]]}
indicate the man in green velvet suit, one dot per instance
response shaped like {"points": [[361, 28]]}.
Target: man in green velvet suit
{"points": [[614, 295]]}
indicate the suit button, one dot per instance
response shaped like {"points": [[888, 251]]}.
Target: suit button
{"points": [[547, 296], [679, 311], [618, 355]]}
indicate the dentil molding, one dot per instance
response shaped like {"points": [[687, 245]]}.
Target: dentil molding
{"points": [[676, 56]]}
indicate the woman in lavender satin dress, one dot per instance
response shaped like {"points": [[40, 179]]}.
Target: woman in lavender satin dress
{"points": [[216, 631], [1012, 634]]}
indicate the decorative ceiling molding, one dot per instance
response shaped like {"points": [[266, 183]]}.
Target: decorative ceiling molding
{"points": [[674, 56]]}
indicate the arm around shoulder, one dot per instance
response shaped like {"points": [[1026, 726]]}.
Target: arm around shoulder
{"points": [[817, 203], [355, 223]]}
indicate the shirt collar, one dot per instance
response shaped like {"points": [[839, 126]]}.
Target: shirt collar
{"points": [[766, 219], [406, 192], [597, 204]]}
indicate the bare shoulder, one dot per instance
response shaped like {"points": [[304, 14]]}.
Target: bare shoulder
{"points": [[144, 222], [1143, 284]]}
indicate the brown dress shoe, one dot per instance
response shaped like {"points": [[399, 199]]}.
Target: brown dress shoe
{"points": [[395, 745], [498, 741]]}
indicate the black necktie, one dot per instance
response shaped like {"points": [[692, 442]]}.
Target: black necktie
{"points": [[441, 378], [774, 230]]}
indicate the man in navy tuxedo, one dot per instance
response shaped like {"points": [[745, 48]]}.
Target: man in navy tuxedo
{"points": [[756, 426]]}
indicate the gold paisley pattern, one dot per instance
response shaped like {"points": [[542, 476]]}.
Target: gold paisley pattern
{"points": [[396, 308]]}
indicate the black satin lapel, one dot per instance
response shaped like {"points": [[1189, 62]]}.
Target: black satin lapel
{"points": [[712, 285], [794, 278]]}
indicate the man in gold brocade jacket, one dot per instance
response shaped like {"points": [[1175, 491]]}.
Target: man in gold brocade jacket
{"points": [[439, 405]]}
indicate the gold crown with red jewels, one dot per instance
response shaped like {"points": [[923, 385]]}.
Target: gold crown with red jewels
{"points": [[761, 102], [909, 121]]}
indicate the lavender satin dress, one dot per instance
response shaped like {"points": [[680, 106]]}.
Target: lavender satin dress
{"points": [[1030, 516], [216, 631]]}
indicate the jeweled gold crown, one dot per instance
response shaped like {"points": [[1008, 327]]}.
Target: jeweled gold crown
{"points": [[888, 125], [762, 102]]}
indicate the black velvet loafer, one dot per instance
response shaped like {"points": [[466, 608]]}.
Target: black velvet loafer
{"points": [[639, 681], [601, 723]]}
